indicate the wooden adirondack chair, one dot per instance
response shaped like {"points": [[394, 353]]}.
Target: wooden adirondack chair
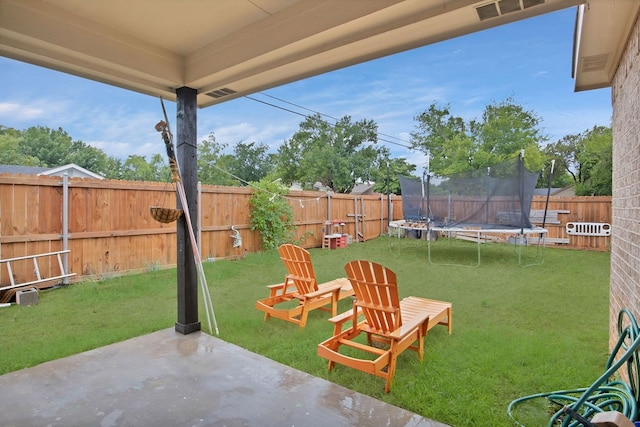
{"points": [[301, 285], [390, 324]]}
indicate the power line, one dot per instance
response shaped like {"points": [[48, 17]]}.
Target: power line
{"points": [[325, 115], [333, 118], [274, 105], [299, 106]]}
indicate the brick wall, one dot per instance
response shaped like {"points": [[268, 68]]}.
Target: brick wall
{"points": [[625, 242]]}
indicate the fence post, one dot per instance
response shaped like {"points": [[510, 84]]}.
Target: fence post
{"points": [[65, 225], [199, 218], [382, 215]]}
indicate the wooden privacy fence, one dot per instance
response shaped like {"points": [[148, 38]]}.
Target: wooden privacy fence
{"points": [[107, 227], [576, 209]]}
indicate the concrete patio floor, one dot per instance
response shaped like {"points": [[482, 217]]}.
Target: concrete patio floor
{"points": [[169, 379]]}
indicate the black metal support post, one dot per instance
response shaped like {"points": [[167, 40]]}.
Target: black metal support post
{"points": [[187, 155]]}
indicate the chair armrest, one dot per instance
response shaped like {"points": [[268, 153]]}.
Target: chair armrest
{"points": [[343, 318], [409, 325], [281, 288], [324, 290]]}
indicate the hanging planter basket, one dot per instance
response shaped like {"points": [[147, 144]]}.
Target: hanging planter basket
{"points": [[165, 215]]}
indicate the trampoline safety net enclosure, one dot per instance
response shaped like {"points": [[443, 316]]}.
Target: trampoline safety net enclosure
{"points": [[498, 197]]}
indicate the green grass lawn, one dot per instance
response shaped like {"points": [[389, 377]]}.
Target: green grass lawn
{"points": [[516, 330]]}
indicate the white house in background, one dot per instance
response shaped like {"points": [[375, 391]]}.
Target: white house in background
{"points": [[72, 170]]}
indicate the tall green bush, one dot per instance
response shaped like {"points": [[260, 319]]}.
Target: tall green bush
{"points": [[270, 213]]}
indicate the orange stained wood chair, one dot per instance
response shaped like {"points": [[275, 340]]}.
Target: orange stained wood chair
{"points": [[391, 325], [300, 285]]}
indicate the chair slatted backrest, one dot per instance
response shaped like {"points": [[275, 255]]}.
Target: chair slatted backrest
{"points": [[376, 290], [297, 260]]}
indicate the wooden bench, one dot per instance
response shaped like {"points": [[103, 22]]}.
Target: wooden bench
{"points": [[536, 216]]}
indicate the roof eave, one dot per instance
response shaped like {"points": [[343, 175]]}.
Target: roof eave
{"points": [[601, 33]]}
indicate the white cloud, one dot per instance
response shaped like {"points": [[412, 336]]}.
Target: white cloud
{"points": [[19, 111], [29, 111]]}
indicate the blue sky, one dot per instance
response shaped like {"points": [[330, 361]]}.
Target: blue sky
{"points": [[529, 61]]}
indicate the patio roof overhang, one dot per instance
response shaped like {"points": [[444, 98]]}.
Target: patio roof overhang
{"points": [[225, 49], [602, 30]]}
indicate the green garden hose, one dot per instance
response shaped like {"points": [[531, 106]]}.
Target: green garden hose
{"points": [[605, 394]]}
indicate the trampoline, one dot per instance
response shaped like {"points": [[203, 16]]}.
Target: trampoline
{"points": [[480, 203]]}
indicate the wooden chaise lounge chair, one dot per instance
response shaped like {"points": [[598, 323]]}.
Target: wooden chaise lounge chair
{"points": [[301, 285], [378, 313]]}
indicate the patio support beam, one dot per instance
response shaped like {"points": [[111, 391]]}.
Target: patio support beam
{"points": [[187, 155]]}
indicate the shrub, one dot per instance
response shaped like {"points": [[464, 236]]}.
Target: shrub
{"points": [[270, 214]]}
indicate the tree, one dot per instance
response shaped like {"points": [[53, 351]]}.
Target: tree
{"points": [[42, 146], [334, 155], [443, 139], [88, 157], [506, 129], [288, 159], [161, 168], [213, 165], [114, 168], [10, 152], [389, 169], [136, 168], [50, 147], [250, 162], [584, 159], [453, 145], [566, 167]]}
